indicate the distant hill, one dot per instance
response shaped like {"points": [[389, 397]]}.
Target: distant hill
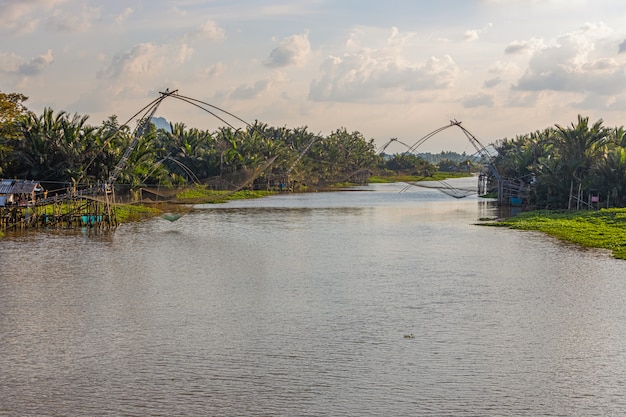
{"points": [[161, 123]]}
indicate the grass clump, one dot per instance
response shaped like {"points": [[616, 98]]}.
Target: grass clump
{"points": [[605, 229], [134, 212], [202, 195], [437, 176]]}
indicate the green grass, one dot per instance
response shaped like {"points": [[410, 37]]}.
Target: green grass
{"points": [[437, 176], [201, 195], [604, 228], [134, 212]]}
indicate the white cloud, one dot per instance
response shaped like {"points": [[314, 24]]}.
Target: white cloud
{"points": [[380, 73], [179, 12], [208, 31], [36, 65], [72, 20], [524, 47], [478, 100], [493, 82], [474, 34], [362, 77], [121, 18], [10, 63], [13, 64], [245, 92], [292, 50], [149, 63], [22, 16], [212, 72], [378, 69], [571, 64], [141, 59], [184, 53], [146, 59]]}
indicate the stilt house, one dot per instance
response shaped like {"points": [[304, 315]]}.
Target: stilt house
{"points": [[18, 192]]}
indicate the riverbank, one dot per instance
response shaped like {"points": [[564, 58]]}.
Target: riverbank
{"points": [[202, 195], [181, 202], [437, 176], [604, 229]]}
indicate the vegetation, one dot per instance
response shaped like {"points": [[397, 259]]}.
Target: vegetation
{"points": [[604, 228], [133, 212], [581, 165], [61, 150], [202, 195], [437, 176], [567, 165], [564, 165]]}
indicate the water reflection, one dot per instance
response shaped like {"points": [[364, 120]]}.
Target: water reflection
{"points": [[298, 306]]}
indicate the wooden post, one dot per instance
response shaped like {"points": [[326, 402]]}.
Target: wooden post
{"points": [[571, 191]]}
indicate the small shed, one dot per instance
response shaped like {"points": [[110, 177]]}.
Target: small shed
{"points": [[18, 192]]}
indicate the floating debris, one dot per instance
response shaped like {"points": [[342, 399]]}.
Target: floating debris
{"points": [[172, 217]]}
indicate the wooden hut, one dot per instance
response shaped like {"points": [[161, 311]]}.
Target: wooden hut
{"points": [[18, 192]]}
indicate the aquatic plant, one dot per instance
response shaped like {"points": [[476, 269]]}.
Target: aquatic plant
{"points": [[605, 229]]}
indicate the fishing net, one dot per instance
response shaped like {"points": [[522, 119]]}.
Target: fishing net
{"points": [[445, 188]]}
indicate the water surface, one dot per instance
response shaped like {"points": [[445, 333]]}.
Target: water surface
{"points": [[297, 305]]}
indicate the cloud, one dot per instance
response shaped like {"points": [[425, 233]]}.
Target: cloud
{"points": [[364, 76], [179, 12], [146, 62], [622, 47], [380, 71], [571, 63], [244, 92], [493, 82], [523, 99], [208, 31], [36, 65], [121, 18], [523, 47], [142, 58], [69, 20], [145, 59], [212, 72], [292, 50], [12, 64], [473, 34], [22, 16], [478, 100]]}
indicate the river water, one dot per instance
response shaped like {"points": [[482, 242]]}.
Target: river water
{"points": [[298, 305]]}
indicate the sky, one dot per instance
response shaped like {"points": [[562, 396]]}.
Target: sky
{"points": [[387, 69]]}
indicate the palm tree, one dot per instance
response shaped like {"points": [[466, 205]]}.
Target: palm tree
{"points": [[581, 146], [38, 155]]}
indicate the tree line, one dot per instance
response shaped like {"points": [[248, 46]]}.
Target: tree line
{"points": [[566, 162], [64, 149], [57, 147]]}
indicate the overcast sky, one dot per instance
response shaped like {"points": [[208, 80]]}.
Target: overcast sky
{"points": [[388, 69]]}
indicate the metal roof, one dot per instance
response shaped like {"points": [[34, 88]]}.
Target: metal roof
{"points": [[19, 186]]}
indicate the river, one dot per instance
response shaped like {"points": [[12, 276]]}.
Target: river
{"points": [[374, 302]]}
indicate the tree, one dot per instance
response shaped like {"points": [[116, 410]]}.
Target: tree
{"points": [[411, 163], [342, 154], [11, 107], [562, 159], [580, 147]]}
